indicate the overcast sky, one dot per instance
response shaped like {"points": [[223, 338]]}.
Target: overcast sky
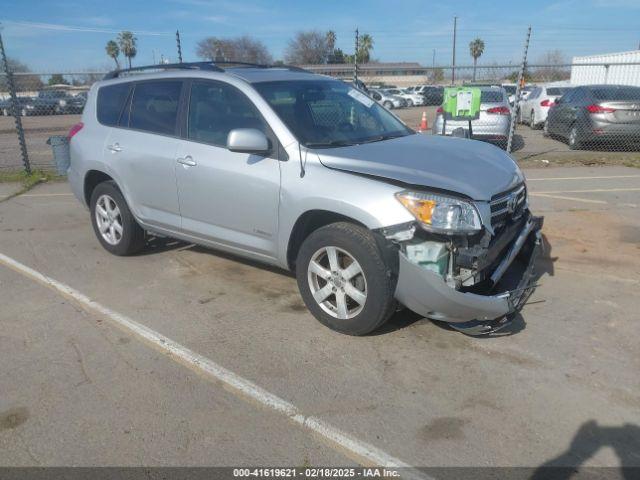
{"points": [[68, 35]]}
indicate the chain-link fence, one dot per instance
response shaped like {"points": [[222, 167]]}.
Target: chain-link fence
{"points": [[565, 113]]}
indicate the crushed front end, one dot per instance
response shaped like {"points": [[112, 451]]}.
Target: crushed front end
{"points": [[475, 282]]}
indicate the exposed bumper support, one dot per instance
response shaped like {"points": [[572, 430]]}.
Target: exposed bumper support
{"points": [[427, 294]]}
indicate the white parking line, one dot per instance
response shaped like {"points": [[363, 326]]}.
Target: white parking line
{"points": [[596, 190], [581, 178], [358, 450], [46, 195], [562, 197]]}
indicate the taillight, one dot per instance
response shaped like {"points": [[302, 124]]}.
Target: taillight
{"points": [[499, 110], [599, 109], [75, 129], [547, 103], [439, 110]]}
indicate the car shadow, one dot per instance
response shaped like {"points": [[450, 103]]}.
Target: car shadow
{"points": [[588, 440]]}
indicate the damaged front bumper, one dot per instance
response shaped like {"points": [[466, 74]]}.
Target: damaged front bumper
{"points": [[427, 293]]}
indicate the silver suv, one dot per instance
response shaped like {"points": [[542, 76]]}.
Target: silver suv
{"points": [[307, 173]]}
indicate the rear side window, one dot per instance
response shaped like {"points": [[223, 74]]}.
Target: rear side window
{"points": [[217, 108], [617, 93], [154, 107], [110, 102]]}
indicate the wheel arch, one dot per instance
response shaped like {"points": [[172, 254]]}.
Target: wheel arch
{"points": [[309, 222], [91, 180]]}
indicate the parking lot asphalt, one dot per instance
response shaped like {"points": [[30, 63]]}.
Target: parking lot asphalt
{"points": [[560, 387]]}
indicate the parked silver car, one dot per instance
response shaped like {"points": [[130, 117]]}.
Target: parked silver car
{"points": [[388, 100], [493, 123], [309, 174]]}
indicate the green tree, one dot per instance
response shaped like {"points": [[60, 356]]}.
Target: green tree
{"points": [[365, 47], [57, 79], [113, 50], [476, 49], [128, 45]]}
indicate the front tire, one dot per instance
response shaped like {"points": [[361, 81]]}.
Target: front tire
{"points": [[574, 139], [388, 105], [113, 222], [345, 280]]}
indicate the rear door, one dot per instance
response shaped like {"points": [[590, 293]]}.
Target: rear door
{"points": [[142, 151], [230, 198]]}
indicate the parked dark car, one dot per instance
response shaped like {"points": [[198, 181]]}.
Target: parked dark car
{"points": [[432, 95], [607, 115], [52, 102], [25, 106], [75, 104]]}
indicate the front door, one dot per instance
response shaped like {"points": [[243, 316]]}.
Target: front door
{"points": [[226, 197]]}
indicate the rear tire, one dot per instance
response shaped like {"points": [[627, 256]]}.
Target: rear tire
{"points": [[532, 121], [368, 295], [126, 237]]}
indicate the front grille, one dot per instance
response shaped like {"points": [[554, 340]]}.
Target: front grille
{"points": [[508, 206]]}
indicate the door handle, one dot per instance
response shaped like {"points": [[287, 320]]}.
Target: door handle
{"points": [[187, 161], [115, 148]]}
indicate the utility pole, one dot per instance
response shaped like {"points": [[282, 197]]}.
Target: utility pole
{"points": [[523, 66], [355, 60], [433, 62], [14, 107], [179, 46], [453, 61]]}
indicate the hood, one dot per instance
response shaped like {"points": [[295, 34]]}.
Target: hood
{"points": [[475, 169]]}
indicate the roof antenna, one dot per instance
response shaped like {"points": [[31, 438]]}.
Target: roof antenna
{"points": [[302, 164]]}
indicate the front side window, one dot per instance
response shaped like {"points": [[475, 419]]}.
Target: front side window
{"points": [[216, 108], [329, 113], [154, 107]]}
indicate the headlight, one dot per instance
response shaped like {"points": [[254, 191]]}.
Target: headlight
{"points": [[441, 214]]}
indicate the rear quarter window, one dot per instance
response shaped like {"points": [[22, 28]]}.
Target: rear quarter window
{"points": [[111, 99]]}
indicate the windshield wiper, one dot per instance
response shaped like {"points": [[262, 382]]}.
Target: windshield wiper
{"points": [[380, 138], [333, 143]]}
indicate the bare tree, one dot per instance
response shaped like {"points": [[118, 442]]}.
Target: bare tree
{"points": [[239, 49], [556, 68], [22, 81], [308, 47]]}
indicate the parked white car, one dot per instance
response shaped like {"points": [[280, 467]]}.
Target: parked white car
{"points": [[534, 109], [387, 100], [411, 98]]}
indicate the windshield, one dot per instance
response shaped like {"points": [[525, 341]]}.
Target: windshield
{"points": [[510, 89], [330, 113]]}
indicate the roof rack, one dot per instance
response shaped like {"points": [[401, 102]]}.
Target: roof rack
{"points": [[211, 66]]}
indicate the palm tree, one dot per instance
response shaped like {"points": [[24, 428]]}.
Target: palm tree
{"points": [[113, 51], [366, 45], [476, 49], [331, 41], [127, 42]]}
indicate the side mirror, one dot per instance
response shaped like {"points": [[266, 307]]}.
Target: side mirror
{"points": [[247, 140]]}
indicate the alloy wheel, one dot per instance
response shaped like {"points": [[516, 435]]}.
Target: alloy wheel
{"points": [[337, 282], [109, 220]]}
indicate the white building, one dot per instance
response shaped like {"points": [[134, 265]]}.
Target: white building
{"points": [[606, 69]]}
